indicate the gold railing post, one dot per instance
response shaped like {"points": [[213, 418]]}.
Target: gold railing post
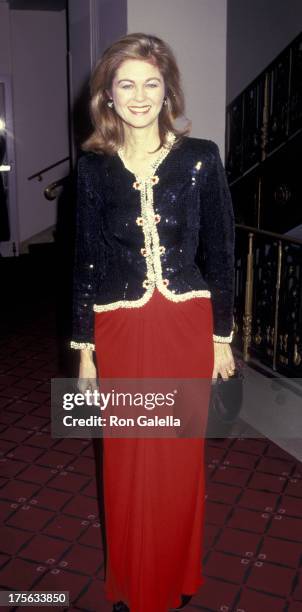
{"points": [[277, 295], [247, 317]]}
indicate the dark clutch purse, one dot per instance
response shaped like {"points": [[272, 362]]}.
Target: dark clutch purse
{"points": [[225, 402]]}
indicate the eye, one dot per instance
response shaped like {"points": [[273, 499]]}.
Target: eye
{"points": [[126, 86], [152, 84]]}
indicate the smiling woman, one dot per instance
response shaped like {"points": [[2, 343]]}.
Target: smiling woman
{"points": [[150, 199]]}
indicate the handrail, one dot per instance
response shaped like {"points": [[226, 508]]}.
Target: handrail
{"points": [[263, 161], [49, 191], [39, 174], [250, 228], [267, 101], [269, 67]]}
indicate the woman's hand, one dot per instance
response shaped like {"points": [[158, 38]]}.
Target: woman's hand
{"points": [[224, 363], [87, 372]]}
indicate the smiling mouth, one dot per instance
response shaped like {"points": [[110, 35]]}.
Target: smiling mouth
{"points": [[139, 110]]}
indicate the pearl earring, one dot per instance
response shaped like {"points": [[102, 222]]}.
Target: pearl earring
{"points": [[110, 103], [165, 101]]}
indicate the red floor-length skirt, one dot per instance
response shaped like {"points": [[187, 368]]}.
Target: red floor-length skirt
{"points": [[154, 488]]}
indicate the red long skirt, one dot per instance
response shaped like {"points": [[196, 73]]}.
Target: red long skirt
{"points": [[154, 488]]}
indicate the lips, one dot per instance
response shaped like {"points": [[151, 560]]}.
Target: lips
{"points": [[139, 110]]}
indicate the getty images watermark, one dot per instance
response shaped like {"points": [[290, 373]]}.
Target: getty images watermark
{"points": [[177, 408], [129, 407]]}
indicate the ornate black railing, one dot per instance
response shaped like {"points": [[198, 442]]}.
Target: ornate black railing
{"points": [[266, 114], [268, 299]]}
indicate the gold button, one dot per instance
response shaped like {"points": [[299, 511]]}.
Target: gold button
{"points": [[137, 185], [162, 249], [157, 218], [139, 220], [165, 282], [146, 284], [154, 179], [144, 252]]}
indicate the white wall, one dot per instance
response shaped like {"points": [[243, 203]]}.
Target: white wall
{"points": [[196, 31], [38, 49], [258, 30]]}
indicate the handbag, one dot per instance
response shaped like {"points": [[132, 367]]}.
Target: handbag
{"points": [[225, 402]]}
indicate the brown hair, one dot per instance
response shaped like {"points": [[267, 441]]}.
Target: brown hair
{"points": [[108, 132]]}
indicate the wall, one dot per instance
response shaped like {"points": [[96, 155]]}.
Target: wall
{"points": [[112, 21], [38, 47], [196, 31], [257, 30], [93, 25], [8, 179], [5, 47]]}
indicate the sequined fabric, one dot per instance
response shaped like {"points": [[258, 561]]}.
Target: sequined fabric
{"points": [[173, 230]]}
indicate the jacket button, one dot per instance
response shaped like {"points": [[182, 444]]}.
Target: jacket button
{"points": [[144, 252], [146, 284], [139, 220], [162, 249], [154, 179], [165, 282], [157, 218], [137, 185]]}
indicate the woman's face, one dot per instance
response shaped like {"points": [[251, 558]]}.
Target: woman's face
{"points": [[138, 92]]}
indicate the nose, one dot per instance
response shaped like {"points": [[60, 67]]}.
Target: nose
{"points": [[139, 93]]}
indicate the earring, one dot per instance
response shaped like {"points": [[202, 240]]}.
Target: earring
{"points": [[110, 103], [165, 101]]}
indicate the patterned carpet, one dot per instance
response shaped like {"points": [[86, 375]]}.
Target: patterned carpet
{"points": [[51, 528]]}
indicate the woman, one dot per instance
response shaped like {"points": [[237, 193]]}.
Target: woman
{"points": [[151, 201]]}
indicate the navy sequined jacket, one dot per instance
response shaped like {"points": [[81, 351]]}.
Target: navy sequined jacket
{"points": [[173, 229]]}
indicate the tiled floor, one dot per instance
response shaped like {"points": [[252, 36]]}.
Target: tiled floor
{"points": [[51, 527]]}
